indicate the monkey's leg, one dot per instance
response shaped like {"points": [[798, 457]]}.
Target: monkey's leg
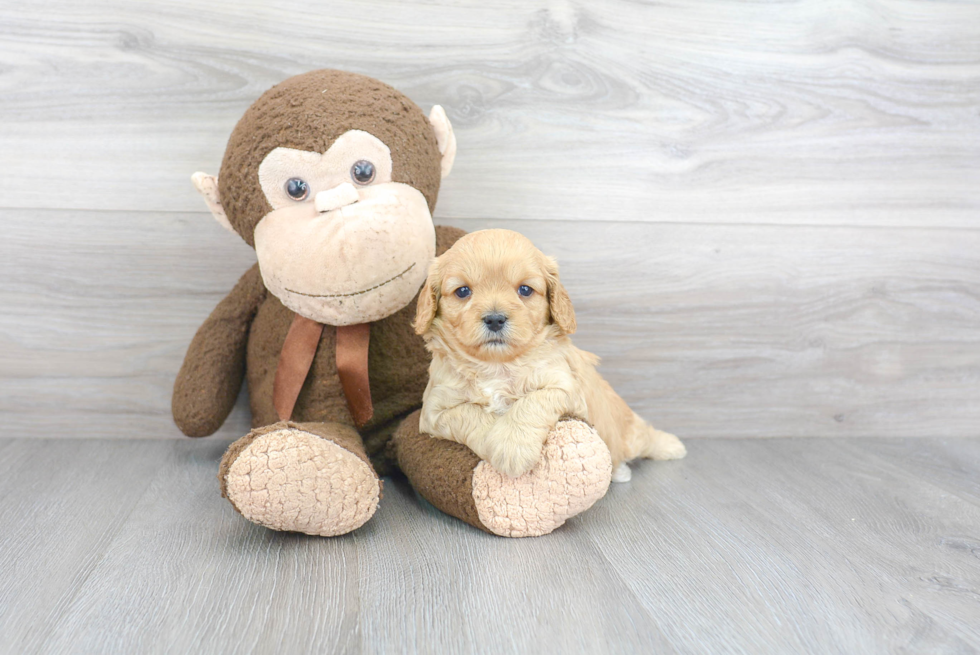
{"points": [[574, 472], [301, 477]]}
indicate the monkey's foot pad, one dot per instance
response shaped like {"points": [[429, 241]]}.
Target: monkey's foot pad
{"points": [[574, 472], [295, 481]]}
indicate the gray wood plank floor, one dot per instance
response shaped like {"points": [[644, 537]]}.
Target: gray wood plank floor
{"points": [[747, 546]]}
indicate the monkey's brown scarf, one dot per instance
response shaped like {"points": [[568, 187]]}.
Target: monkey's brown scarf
{"points": [[352, 367]]}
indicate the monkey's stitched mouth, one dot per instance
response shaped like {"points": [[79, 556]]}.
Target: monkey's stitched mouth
{"points": [[355, 293]]}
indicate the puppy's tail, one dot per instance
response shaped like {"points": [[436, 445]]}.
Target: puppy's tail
{"points": [[651, 443]]}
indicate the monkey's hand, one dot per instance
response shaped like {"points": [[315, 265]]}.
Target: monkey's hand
{"points": [[211, 375], [513, 445]]}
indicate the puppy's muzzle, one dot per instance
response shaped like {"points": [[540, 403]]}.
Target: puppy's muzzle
{"points": [[495, 322]]}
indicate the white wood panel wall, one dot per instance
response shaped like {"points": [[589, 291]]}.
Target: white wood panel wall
{"points": [[768, 213]]}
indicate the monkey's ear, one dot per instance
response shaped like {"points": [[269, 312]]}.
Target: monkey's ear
{"points": [[444, 137], [207, 186], [562, 312], [428, 305]]}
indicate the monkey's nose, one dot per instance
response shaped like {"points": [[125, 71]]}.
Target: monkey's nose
{"points": [[335, 198], [495, 322]]}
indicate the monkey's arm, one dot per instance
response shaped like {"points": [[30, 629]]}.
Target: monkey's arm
{"points": [[211, 376]]}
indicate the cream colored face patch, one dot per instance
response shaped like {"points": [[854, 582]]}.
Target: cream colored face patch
{"points": [[322, 171], [343, 244], [355, 264]]}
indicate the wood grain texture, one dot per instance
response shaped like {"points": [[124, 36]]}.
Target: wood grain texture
{"points": [[799, 112], [706, 330], [61, 504], [949, 464], [757, 542], [746, 546]]}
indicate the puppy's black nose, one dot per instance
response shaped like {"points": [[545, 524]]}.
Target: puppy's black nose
{"points": [[495, 322]]}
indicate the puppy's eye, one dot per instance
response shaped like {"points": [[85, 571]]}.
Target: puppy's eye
{"points": [[297, 188], [463, 292], [362, 172], [525, 290]]}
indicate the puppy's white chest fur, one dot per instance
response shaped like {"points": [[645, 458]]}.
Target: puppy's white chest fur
{"points": [[498, 391], [495, 387]]}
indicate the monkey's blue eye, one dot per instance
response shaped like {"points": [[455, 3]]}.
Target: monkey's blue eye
{"points": [[463, 292], [297, 189], [525, 290], [362, 172]]}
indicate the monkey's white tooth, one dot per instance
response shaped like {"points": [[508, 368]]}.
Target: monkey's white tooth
{"points": [[335, 198]]}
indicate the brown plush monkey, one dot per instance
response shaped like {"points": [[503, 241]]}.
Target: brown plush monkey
{"points": [[332, 178]]}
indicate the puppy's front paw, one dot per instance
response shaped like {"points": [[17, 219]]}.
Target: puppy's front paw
{"points": [[513, 450]]}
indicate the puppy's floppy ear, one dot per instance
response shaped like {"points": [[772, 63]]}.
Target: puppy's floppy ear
{"points": [[562, 313], [428, 305]]}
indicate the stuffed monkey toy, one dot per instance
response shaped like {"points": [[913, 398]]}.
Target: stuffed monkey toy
{"points": [[332, 178]]}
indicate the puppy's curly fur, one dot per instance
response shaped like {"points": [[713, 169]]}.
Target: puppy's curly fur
{"points": [[496, 318]]}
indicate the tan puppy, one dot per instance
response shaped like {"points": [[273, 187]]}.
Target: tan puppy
{"points": [[496, 319]]}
